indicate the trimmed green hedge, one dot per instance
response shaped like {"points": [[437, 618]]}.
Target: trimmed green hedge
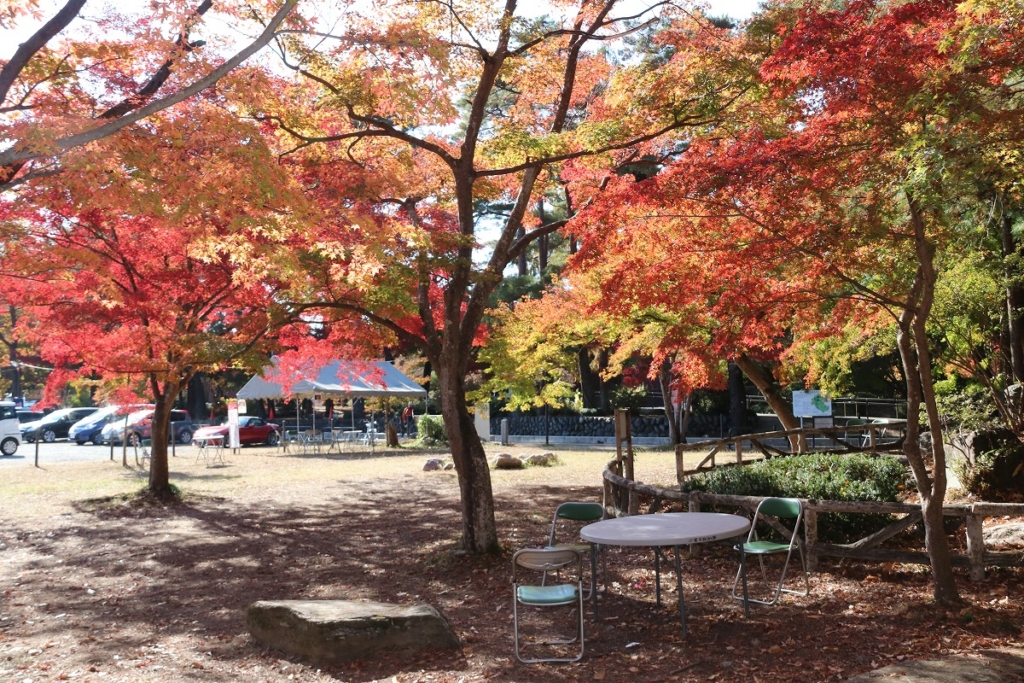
{"points": [[430, 429], [821, 476]]}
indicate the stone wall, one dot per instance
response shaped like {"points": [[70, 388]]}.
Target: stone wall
{"points": [[592, 426]]}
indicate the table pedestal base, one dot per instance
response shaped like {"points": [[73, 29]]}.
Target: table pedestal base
{"points": [[679, 582]]}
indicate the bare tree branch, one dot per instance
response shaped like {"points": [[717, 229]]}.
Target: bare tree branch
{"points": [[525, 47], [393, 132], [34, 44], [164, 71], [21, 153], [523, 242]]}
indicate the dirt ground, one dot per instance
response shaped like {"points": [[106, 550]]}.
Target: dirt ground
{"points": [[94, 588]]}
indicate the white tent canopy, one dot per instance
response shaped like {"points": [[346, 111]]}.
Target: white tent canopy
{"points": [[356, 379]]}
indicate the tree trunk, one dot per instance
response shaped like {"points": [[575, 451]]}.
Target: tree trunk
{"points": [[12, 354], [772, 392], [602, 365], [684, 429], [932, 495], [196, 398], [590, 383], [542, 244], [677, 424], [159, 472], [521, 261], [912, 341], [391, 435], [770, 389], [668, 407], [1014, 301], [479, 531], [737, 402]]}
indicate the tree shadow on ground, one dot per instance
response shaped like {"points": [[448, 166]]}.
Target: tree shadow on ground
{"points": [[124, 581], [192, 568]]}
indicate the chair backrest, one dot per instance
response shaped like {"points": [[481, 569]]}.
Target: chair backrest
{"points": [[780, 508], [580, 512], [784, 508], [545, 559]]}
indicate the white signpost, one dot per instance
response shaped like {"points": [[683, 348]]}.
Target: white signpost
{"points": [[233, 437], [482, 419]]}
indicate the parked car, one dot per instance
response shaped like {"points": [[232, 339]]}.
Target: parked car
{"points": [[251, 430], [29, 415], [10, 432], [140, 426], [54, 426], [90, 428]]}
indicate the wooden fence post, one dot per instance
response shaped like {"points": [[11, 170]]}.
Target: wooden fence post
{"points": [[811, 539], [696, 549], [739, 451], [976, 547], [618, 439], [608, 496], [622, 495], [625, 431], [872, 439], [634, 501]]}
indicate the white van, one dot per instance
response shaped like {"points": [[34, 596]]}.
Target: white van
{"points": [[10, 429]]}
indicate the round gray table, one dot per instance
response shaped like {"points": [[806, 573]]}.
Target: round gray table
{"points": [[660, 530]]}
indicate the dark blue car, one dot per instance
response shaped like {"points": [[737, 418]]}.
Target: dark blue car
{"points": [[87, 430]]}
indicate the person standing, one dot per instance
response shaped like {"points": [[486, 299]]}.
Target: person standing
{"points": [[407, 421]]}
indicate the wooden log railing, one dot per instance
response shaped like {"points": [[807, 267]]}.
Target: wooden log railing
{"points": [[624, 497], [872, 433]]}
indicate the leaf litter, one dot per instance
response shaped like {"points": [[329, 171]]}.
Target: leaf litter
{"points": [[130, 593]]}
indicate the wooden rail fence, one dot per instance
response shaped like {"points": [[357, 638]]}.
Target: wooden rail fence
{"points": [[873, 437], [623, 496]]}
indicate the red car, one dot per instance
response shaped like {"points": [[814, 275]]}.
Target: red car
{"points": [[251, 430]]}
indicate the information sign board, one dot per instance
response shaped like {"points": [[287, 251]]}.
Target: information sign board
{"points": [[811, 404]]}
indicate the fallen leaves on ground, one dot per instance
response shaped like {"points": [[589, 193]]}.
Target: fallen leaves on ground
{"points": [[158, 593]]}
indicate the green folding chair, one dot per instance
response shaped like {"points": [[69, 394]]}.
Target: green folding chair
{"points": [[779, 509], [582, 513], [544, 560]]}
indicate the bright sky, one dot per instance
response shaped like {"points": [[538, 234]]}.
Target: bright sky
{"points": [[11, 38], [737, 9]]}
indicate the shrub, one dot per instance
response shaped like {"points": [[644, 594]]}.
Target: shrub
{"points": [[995, 472], [821, 476], [629, 398], [431, 431], [969, 409]]}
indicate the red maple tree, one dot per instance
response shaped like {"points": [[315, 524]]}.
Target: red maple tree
{"points": [[833, 201], [158, 276], [418, 125]]}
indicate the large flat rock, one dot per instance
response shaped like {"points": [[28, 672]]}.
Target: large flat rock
{"points": [[337, 631], [1008, 534], [989, 666]]}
